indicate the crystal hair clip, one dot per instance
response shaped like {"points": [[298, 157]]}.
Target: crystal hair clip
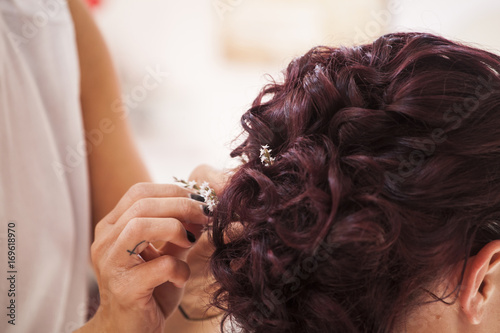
{"points": [[204, 190], [265, 156]]}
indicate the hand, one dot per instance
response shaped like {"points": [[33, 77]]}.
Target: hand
{"points": [[200, 286], [138, 292]]}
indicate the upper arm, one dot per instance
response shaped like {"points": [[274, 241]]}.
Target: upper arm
{"points": [[114, 162]]}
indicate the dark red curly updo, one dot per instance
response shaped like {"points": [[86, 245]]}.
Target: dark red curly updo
{"points": [[386, 175]]}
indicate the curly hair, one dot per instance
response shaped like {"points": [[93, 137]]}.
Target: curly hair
{"points": [[386, 176]]}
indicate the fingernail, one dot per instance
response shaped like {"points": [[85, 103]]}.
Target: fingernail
{"points": [[190, 236], [197, 197], [206, 210]]}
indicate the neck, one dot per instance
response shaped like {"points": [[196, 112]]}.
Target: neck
{"points": [[430, 318]]}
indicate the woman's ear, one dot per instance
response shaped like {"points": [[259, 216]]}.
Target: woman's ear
{"points": [[481, 283]]}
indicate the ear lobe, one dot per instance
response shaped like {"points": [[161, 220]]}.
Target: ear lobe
{"points": [[478, 285]]}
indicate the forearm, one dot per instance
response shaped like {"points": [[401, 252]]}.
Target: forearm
{"points": [[113, 160]]}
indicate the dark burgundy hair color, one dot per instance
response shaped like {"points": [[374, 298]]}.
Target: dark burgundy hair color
{"points": [[387, 175]]}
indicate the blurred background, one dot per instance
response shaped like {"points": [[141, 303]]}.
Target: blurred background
{"points": [[204, 61]]}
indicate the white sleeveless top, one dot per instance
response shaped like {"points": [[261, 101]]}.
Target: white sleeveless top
{"points": [[44, 195]]}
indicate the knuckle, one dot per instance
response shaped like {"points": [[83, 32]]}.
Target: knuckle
{"points": [[98, 228], [97, 249], [173, 190], [176, 269], [139, 207], [94, 251], [139, 190], [186, 207], [177, 227], [169, 265], [135, 225], [184, 273]]}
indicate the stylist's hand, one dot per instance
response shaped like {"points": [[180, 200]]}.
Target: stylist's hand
{"points": [[200, 287], [139, 292]]}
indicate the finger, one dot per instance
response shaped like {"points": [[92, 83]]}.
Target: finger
{"points": [[183, 209], [195, 229], [150, 253], [145, 190], [139, 232], [161, 248], [179, 252], [160, 270]]}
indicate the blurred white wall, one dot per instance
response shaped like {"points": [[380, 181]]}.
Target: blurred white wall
{"points": [[217, 52], [474, 22]]}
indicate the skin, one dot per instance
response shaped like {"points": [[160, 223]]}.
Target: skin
{"points": [[477, 307], [475, 311], [139, 292], [198, 289], [135, 292], [114, 163]]}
